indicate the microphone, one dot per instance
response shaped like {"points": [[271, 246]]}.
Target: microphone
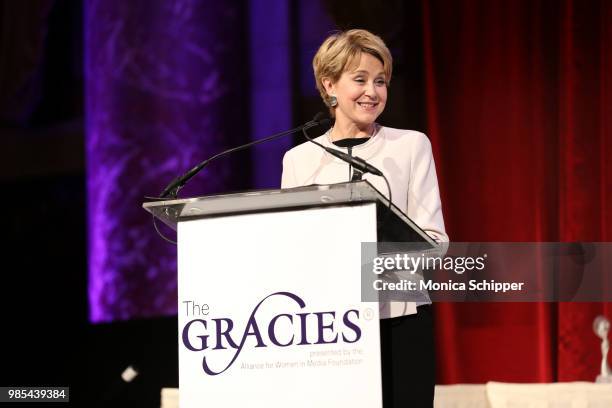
{"points": [[320, 119], [357, 162], [175, 185]]}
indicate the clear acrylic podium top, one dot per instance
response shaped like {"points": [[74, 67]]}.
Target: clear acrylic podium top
{"points": [[393, 224]]}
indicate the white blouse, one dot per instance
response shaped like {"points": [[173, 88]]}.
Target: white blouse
{"points": [[406, 159]]}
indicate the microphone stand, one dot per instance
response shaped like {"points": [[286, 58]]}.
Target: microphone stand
{"points": [[171, 191]]}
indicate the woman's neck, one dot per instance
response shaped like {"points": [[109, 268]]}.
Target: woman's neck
{"points": [[351, 130]]}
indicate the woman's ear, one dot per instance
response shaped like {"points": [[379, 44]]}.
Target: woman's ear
{"points": [[329, 86]]}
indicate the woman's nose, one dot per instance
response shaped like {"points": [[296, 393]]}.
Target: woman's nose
{"points": [[370, 90]]}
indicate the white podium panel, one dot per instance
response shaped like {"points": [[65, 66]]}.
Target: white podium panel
{"points": [[270, 313]]}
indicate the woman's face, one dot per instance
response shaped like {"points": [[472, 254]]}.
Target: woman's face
{"points": [[361, 92]]}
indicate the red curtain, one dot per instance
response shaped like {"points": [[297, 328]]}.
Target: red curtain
{"points": [[519, 105]]}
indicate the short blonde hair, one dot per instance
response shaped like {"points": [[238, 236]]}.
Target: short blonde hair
{"points": [[342, 50]]}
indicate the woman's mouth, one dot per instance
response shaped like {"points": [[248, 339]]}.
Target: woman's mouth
{"points": [[368, 105]]}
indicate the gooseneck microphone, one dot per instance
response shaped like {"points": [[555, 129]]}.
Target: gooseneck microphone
{"points": [[172, 189], [357, 162]]}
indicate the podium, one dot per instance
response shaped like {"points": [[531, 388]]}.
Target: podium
{"points": [[270, 311]]}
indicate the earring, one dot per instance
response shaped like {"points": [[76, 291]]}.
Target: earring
{"points": [[333, 101]]}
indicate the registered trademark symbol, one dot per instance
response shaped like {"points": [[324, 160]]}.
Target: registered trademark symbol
{"points": [[368, 314]]}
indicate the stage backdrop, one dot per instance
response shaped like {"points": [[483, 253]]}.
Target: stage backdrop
{"points": [[516, 97], [519, 110], [165, 89]]}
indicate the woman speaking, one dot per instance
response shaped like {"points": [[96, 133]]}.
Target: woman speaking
{"points": [[352, 71]]}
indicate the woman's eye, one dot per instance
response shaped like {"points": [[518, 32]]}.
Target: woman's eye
{"points": [[360, 80], [380, 82]]}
